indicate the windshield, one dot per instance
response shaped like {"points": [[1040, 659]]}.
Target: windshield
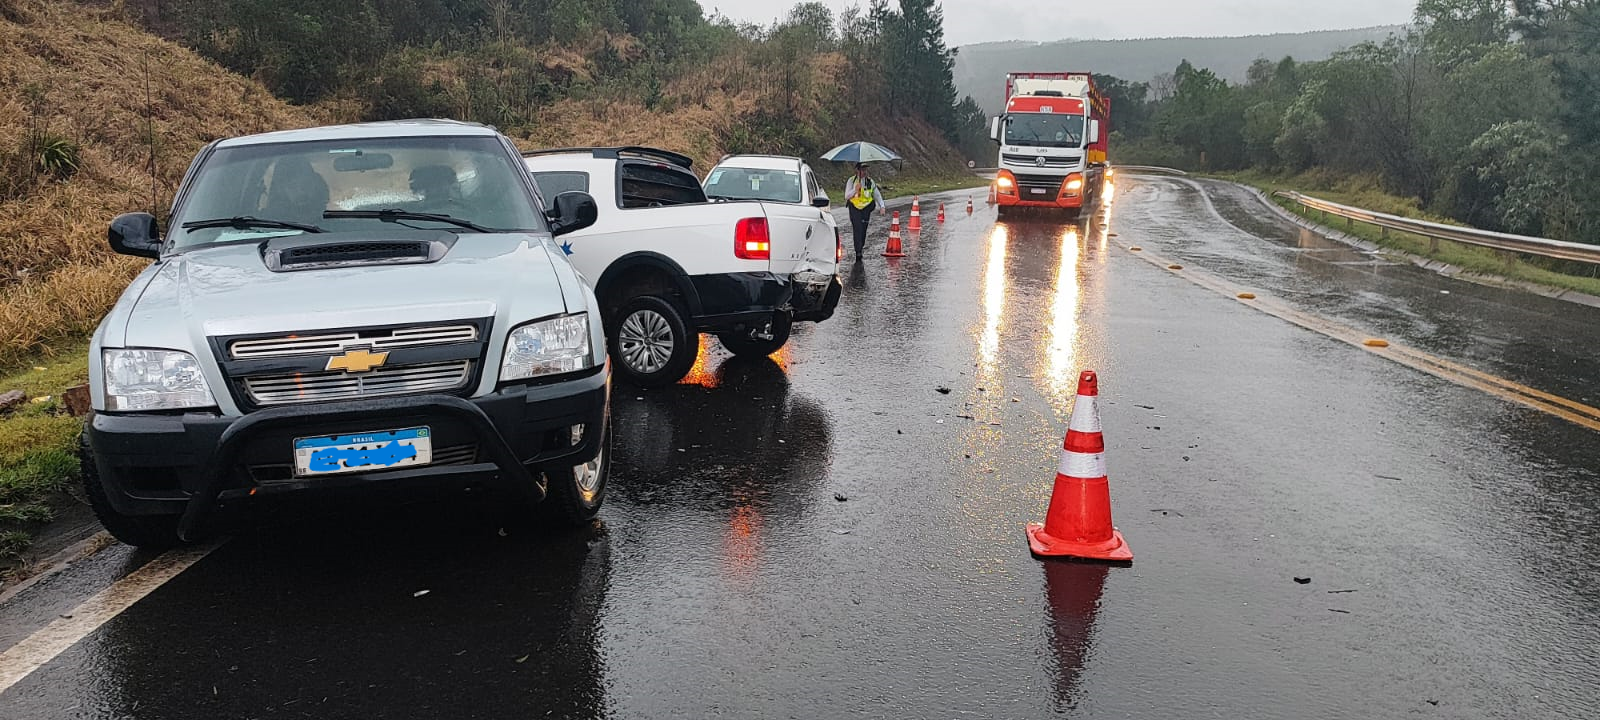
{"points": [[1044, 130], [469, 178], [750, 184]]}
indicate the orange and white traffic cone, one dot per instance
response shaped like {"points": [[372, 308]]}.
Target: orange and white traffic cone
{"points": [[894, 238], [914, 223], [969, 206], [941, 213], [1078, 522]]}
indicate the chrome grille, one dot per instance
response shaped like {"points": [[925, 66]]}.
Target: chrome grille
{"points": [[329, 386], [335, 343]]}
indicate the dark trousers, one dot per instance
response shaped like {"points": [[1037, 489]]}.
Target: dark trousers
{"points": [[859, 217]]}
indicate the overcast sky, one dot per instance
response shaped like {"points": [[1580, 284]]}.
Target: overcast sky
{"points": [[974, 21]]}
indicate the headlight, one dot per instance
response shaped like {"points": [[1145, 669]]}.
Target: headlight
{"points": [[1003, 181], [548, 347], [154, 380]]}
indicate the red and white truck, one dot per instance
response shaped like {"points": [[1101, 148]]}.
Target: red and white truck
{"points": [[1052, 141]]}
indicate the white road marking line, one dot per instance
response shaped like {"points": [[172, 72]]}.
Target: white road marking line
{"points": [[47, 642]]}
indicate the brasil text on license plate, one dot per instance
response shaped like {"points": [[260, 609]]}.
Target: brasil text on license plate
{"points": [[365, 452]]}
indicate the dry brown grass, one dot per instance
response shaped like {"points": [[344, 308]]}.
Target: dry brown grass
{"points": [[57, 276]]}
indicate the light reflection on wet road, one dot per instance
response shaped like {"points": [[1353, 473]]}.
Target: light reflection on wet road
{"points": [[1450, 537]]}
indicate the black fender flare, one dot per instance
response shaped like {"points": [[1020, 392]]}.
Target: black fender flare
{"points": [[655, 261]]}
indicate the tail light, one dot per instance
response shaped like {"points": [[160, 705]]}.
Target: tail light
{"points": [[838, 245], [751, 240]]}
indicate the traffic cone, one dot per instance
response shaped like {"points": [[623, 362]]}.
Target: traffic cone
{"points": [[969, 206], [914, 224], [894, 238], [941, 213], [1078, 522]]}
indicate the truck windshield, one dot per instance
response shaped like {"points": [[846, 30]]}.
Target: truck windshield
{"points": [[268, 189], [730, 183], [1044, 130]]}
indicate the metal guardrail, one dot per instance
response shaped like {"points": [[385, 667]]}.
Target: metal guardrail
{"points": [[1136, 169], [1523, 244]]}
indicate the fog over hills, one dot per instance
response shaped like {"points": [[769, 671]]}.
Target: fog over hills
{"points": [[981, 68]]}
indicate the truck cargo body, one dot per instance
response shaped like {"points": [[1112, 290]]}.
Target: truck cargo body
{"points": [[1052, 141]]}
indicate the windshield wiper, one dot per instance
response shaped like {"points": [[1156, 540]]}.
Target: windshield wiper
{"points": [[396, 215], [245, 222]]}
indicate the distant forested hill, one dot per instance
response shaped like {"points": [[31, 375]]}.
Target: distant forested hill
{"points": [[980, 69]]}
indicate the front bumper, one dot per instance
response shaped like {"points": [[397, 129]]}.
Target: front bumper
{"points": [[154, 464], [1064, 203]]}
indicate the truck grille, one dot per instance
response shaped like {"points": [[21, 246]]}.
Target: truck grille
{"points": [[1051, 184], [1033, 161], [330, 386], [335, 343]]}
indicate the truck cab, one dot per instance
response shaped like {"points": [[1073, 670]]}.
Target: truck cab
{"points": [[1053, 142]]}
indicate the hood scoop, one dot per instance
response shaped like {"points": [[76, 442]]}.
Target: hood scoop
{"points": [[355, 249]]}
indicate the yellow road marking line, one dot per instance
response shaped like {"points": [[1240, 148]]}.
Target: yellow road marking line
{"points": [[33, 652], [1511, 391]]}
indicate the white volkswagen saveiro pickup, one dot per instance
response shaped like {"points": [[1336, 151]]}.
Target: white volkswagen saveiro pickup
{"points": [[667, 263]]}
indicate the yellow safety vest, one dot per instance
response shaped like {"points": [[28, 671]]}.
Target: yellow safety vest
{"points": [[864, 195]]}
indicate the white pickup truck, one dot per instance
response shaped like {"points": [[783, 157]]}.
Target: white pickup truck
{"points": [[668, 264]]}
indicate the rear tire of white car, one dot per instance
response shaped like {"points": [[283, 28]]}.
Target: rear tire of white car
{"points": [[153, 532], [574, 494], [651, 343], [744, 343]]}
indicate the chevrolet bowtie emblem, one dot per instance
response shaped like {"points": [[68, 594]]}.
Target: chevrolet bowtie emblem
{"points": [[357, 361]]}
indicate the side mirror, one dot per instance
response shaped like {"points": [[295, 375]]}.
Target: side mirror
{"points": [[994, 128], [1094, 131], [135, 234], [574, 211], [821, 201]]}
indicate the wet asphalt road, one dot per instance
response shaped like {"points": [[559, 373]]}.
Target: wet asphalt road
{"points": [[1450, 536]]}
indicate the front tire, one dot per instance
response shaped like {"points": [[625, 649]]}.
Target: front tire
{"points": [[151, 532], [574, 494], [746, 343], [651, 342]]}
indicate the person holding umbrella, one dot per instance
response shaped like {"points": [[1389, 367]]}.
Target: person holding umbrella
{"points": [[862, 193]]}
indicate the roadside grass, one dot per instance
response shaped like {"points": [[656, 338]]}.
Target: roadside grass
{"points": [[38, 444], [1363, 193]]}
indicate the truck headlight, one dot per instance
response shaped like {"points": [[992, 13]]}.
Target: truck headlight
{"points": [[154, 380], [547, 347]]}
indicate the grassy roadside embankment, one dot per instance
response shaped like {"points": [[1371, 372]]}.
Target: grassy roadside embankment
{"points": [[1363, 193], [38, 453]]}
